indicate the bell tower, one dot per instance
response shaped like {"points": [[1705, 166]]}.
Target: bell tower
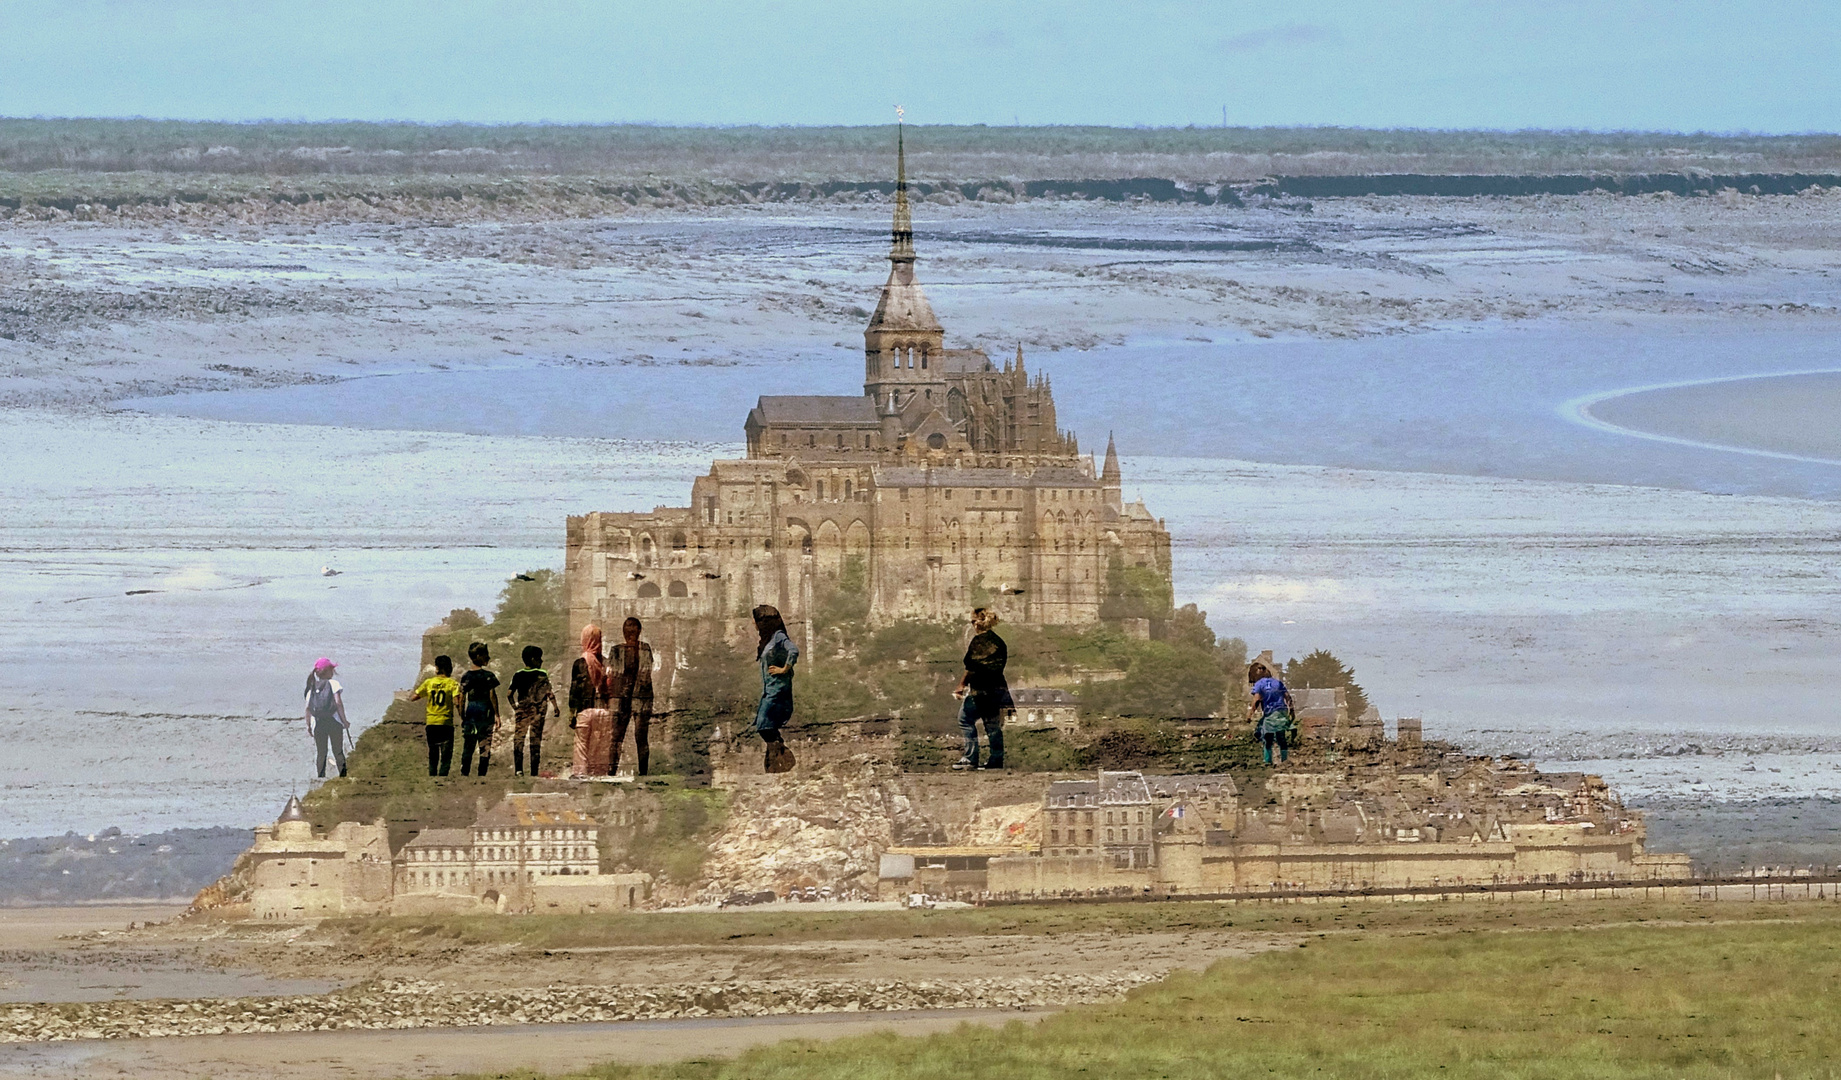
{"points": [[904, 343]]}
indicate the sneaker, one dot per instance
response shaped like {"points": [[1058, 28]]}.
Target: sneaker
{"points": [[963, 764], [990, 766]]}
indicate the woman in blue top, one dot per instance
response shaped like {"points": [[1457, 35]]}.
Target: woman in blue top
{"points": [[1273, 702], [777, 654]]}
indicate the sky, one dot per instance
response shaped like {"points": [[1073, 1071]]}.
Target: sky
{"points": [[1686, 65]]}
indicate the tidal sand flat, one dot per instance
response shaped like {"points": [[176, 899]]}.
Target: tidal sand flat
{"points": [[1791, 416]]}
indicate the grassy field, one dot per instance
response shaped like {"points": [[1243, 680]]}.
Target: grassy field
{"points": [[1627, 990], [787, 925]]}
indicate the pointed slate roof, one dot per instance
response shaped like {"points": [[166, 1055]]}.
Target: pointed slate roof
{"points": [[293, 811]]}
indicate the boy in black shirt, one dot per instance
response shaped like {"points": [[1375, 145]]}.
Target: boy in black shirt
{"points": [[531, 701], [986, 695], [479, 709]]}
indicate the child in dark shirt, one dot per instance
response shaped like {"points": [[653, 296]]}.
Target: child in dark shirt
{"points": [[479, 709], [531, 701]]}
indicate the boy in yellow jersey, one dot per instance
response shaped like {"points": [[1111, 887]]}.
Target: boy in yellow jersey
{"points": [[441, 691]]}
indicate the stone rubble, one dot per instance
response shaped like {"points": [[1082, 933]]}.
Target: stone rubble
{"points": [[398, 1005]]}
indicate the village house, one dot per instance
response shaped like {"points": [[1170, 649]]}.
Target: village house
{"points": [[1046, 709]]}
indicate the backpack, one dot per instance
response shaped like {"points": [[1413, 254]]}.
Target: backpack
{"points": [[320, 701]]}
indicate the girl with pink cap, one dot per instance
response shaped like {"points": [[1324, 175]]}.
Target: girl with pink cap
{"points": [[325, 713]]}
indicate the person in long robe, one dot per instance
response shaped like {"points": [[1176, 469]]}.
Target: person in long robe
{"points": [[588, 698]]}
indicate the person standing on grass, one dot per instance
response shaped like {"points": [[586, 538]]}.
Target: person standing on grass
{"points": [[588, 686], [1272, 701], [776, 654], [479, 709], [983, 692], [531, 701], [630, 667], [438, 722], [325, 713]]}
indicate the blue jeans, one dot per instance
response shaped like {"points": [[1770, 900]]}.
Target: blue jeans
{"points": [[990, 709], [774, 711]]}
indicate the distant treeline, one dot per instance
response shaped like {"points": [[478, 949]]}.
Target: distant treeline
{"points": [[941, 154]]}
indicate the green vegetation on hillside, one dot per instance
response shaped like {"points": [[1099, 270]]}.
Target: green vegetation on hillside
{"points": [[1751, 998]]}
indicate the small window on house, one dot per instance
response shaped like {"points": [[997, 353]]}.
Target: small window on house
{"points": [[811, 440], [785, 438], [840, 442]]}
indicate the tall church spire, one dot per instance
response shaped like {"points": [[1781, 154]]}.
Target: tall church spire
{"points": [[1110, 474], [901, 246]]}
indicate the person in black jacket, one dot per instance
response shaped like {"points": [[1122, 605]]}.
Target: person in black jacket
{"points": [[983, 692]]}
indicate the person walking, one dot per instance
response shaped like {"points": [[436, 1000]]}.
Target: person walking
{"points": [[438, 720], [776, 654], [630, 665], [983, 692], [479, 709], [325, 713], [1272, 701], [588, 687], [532, 699]]}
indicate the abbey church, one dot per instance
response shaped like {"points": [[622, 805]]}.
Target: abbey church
{"points": [[945, 485]]}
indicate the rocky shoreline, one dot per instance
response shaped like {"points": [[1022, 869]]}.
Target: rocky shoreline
{"points": [[403, 1005]]}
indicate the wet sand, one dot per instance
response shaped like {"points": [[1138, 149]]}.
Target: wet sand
{"points": [[1794, 415], [547, 1048], [67, 954]]}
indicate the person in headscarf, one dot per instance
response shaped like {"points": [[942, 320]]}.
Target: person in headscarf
{"points": [[776, 654], [325, 713], [588, 694]]}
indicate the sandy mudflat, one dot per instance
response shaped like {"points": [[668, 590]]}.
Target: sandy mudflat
{"points": [[55, 927], [1785, 414], [549, 1048]]}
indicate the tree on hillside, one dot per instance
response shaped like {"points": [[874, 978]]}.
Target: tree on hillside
{"points": [[1322, 671], [534, 594], [1188, 628], [1163, 682]]}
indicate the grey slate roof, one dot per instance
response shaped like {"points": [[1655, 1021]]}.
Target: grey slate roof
{"points": [[815, 409], [1031, 696], [442, 838]]}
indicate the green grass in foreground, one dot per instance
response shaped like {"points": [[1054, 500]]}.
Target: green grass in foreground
{"points": [[1714, 1000]]}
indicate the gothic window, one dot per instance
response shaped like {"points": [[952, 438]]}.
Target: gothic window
{"points": [[679, 541], [840, 442], [923, 358], [846, 489], [678, 588]]}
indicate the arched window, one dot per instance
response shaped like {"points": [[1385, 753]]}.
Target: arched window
{"points": [[648, 590], [678, 588], [679, 541]]}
